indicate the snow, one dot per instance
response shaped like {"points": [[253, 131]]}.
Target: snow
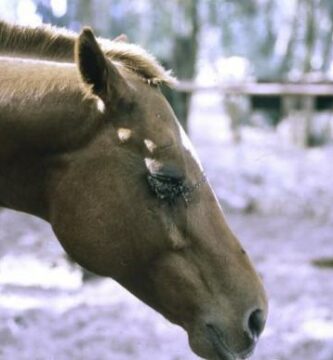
{"points": [[264, 171]]}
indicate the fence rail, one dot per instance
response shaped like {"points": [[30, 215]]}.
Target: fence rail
{"points": [[296, 101], [263, 89]]}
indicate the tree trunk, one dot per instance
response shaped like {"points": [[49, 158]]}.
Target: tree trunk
{"points": [[309, 35], [286, 63], [328, 42], [269, 43], [183, 60]]}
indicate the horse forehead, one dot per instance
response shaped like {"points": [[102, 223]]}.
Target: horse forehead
{"points": [[159, 112], [170, 131]]}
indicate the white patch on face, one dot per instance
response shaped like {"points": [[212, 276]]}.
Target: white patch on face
{"points": [[100, 105], [150, 145], [124, 134], [189, 147], [153, 165]]}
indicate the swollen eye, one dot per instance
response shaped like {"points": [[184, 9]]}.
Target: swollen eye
{"points": [[166, 188]]}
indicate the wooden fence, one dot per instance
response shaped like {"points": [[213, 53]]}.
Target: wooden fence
{"points": [[297, 101]]}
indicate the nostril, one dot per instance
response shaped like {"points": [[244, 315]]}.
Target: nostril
{"points": [[256, 323]]}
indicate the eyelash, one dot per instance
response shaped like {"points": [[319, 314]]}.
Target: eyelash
{"points": [[167, 188]]}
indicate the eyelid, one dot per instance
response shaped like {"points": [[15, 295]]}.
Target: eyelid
{"points": [[169, 171], [166, 188], [167, 179]]}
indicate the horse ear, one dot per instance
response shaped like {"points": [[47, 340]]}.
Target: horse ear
{"points": [[121, 38], [96, 70], [91, 61]]}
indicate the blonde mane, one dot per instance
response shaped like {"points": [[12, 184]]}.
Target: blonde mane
{"points": [[57, 44], [137, 59]]}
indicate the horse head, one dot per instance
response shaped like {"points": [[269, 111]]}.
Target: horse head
{"points": [[134, 204]]}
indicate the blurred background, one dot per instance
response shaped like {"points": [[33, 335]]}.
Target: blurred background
{"points": [[256, 97]]}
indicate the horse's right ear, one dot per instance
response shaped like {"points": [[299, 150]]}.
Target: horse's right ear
{"points": [[96, 70], [121, 38]]}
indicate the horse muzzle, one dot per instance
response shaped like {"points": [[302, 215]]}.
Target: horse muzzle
{"points": [[212, 340]]}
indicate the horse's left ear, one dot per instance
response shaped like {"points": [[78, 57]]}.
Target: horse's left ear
{"points": [[96, 70]]}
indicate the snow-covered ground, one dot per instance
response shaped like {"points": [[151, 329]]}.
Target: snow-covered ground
{"points": [[264, 171], [286, 195]]}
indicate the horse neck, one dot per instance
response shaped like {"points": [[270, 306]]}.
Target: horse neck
{"points": [[43, 115], [44, 42]]}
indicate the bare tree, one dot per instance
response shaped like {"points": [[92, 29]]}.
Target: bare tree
{"points": [[327, 6], [310, 34], [183, 56], [286, 62]]}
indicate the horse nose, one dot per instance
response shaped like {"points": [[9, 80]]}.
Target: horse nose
{"points": [[255, 323]]}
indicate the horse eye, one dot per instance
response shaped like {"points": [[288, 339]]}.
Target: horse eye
{"points": [[166, 187]]}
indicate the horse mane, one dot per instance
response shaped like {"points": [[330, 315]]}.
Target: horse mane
{"points": [[57, 44]]}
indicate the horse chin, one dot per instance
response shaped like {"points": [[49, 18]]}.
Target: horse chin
{"points": [[210, 351], [210, 346]]}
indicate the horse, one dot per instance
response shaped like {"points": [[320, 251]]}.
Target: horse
{"points": [[89, 144]]}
